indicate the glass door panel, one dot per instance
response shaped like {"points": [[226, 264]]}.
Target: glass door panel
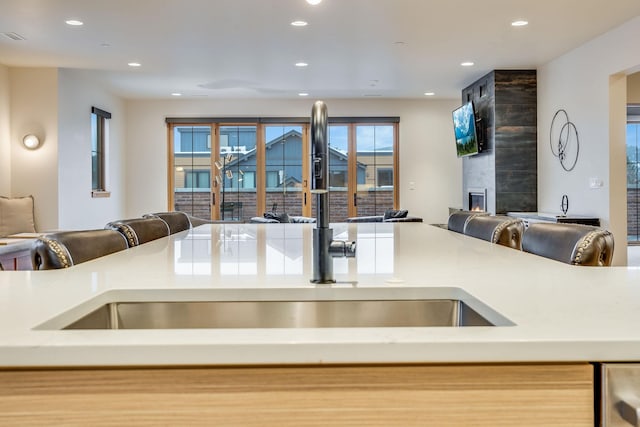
{"points": [[235, 173], [192, 170], [339, 199], [283, 169], [633, 182], [374, 169]]}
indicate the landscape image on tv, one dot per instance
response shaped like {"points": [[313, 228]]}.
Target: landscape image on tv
{"points": [[465, 130]]}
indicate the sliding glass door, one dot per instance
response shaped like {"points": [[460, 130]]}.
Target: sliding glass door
{"points": [[191, 169], [235, 173], [232, 172], [374, 169], [633, 181]]}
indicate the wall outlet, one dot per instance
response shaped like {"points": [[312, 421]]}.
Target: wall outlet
{"points": [[595, 183]]}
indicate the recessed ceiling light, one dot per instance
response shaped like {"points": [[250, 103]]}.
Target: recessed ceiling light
{"points": [[134, 64], [301, 64], [74, 22], [105, 45], [176, 94], [303, 94], [519, 23], [467, 64], [299, 23], [314, 2], [429, 93]]}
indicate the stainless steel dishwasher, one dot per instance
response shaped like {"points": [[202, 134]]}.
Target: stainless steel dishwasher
{"points": [[619, 394]]}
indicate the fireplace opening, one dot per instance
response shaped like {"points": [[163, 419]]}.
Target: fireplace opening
{"points": [[478, 201]]}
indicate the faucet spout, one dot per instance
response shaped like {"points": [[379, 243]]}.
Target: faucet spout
{"points": [[324, 247]]}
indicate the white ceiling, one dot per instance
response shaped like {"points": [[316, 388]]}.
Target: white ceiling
{"points": [[247, 48]]}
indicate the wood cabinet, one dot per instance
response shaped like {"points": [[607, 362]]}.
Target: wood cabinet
{"points": [[382, 395]]}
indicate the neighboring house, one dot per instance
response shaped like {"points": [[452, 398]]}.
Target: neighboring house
{"points": [[283, 164]]}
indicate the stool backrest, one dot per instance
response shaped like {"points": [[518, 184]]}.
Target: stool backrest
{"points": [[68, 248], [569, 243], [140, 230], [500, 229], [176, 221], [458, 220]]}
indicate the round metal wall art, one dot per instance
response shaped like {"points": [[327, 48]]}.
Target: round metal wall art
{"points": [[564, 140]]}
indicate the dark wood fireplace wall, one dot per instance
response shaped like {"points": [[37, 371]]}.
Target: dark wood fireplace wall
{"points": [[506, 101]]}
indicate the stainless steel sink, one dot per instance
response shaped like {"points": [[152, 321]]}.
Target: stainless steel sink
{"points": [[280, 314], [339, 308]]}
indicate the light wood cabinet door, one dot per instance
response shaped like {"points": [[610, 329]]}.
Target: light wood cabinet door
{"points": [[385, 395]]}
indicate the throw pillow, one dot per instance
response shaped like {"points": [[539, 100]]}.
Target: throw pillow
{"points": [[16, 215], [280, 217]]}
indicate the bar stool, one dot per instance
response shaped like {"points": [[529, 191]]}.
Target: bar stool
{"points": [[140, 230], [500, 229], [176, 221], [569, 243], [458, 220], [68, 248]]}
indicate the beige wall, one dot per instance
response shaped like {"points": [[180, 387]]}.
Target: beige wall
{"points": [[592, 96], [34, 109], [633, 88], [5, 151], [55, 104], [427, 152]]}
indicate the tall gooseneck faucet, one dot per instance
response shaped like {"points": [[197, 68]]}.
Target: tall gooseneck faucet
{"points": [[324, 247]]}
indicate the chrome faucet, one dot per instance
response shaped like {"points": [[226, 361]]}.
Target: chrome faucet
{"points": [[324, 247]]}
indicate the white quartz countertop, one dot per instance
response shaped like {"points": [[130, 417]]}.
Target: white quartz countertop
{"points": [[557, 312]]}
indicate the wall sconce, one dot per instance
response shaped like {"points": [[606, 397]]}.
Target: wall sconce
{"points": [[31, 141]]}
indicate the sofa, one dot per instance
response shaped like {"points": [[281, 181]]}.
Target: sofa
{"points": [[390, 215], [279, 218]]}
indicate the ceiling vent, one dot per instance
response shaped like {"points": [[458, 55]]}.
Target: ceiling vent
{"points": [[13, 36]]}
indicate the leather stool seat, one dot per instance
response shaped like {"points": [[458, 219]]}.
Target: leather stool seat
{"points": [[569, 243], [68, 248]]}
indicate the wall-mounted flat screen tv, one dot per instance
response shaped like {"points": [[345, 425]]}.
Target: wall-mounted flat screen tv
{"points": [[464, 126]]}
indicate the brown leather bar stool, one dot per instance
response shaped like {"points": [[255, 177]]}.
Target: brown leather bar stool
{"points": [[458, 219], [569, 243], [68, 248], [176, 221], [500, 229], [140, 230]]}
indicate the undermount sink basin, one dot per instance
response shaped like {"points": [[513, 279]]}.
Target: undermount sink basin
{"points": [[346, 308], [280, 314]]}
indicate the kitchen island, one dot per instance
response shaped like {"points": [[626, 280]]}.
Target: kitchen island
{"points": [[560, 318]]}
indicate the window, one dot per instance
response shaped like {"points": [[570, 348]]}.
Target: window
{"points": [[385, 177], [197, 179], [99, 138]]}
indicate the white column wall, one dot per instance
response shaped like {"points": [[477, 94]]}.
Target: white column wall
{"points": [[78, 92], [579, 82]]}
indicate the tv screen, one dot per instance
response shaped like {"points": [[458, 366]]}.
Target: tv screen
{"points": [[464, 126]]}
